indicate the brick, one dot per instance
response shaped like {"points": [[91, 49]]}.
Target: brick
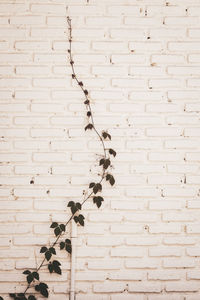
{"points": [[127, 252], [142, 263], [96, 22], [145, 287], [109, 287], [164, 179], [57, 9], [124, 10], [178, 263], [47, 132], [183, 287], [142, 241], [162, 108], [166, 59], [165, 228], [181, 21], [104, 264], [164, 251], [105, 241], [145, 46], [165, 156], [27, 20], [163, 131], [193, 251], [127, 58], [184, 46], [164, 205], [163, 275]]}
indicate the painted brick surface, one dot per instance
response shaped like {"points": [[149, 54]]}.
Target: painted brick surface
{"points": [[140, 61]]}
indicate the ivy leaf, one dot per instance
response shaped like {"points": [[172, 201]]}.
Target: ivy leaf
{"points": [[50, 267], [106, 163], [27, 272], [56, 266], [98, 200], [76, 219], [80, 83], [85, 92], [62, 227], [43, 249], [30, 278], [89, 126], [112, 152], [101, 162], [71, 203], [68, 248], [52, 250], [48, 255], [106, 135], [81, 220], [1, 298], [42, 288], [92, 184], [110, 178], [35, 275], [66, 245], [57, 231], [97, 187], [54, 225], [62, 245], [12, 295], [78, 205]]}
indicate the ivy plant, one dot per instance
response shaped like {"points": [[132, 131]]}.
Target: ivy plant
{"points": [[63, 243]]}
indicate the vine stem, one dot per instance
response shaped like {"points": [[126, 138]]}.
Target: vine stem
{"points": [[89, 109]]}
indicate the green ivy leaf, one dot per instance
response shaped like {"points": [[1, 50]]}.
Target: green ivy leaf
{"points": [[43, 249], [50, 267], [68, 248], [112, 152], [89, 126], [30, 278], [98, 200], [27, 272], [91, 185], [57, 231], [1, 298], [106, 135], [56, 267], [54, 224], [76, 219], [35, 275], [81, 220], [48, 255], [106, 163], [62, 227], [62, 245], [52, 250], [97, 188], [101, 162]]}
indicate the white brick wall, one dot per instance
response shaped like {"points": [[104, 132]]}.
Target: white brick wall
{"points": [[141, 63]]}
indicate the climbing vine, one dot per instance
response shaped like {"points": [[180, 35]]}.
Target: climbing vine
{"points": [[94, 192]]}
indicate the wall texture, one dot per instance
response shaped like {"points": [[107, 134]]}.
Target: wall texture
{"points": [[140, 60]]}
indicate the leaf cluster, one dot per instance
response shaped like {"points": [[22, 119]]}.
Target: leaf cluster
{"points": [[58, 229], [48, 252], [66, 245], [43, 289], [74, 206], [55, 267], [97, 187], [31, 276], [79, 219]]}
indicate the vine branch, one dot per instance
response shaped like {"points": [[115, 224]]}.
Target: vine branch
{"points": [[33, 277]]}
